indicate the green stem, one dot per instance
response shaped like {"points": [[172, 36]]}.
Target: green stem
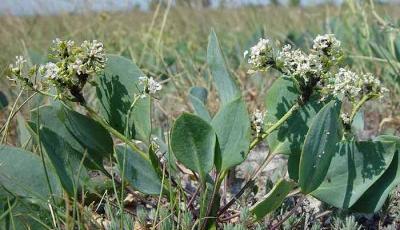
{"points": [[4, 138], [288, 114], [357, 107], [17, 110], [266, 160], [114, 132], [217, 185]]}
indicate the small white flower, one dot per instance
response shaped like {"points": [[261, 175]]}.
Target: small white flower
{"points": [[19, 60], [92, 58], [78, 66], [49, 70], [62, 44], [260, 54], [297, 63], [57, 41], [346, 83], [150, 86], [258, 121], [326, 41], [245, 53], [345, 118], [95, 49], [328, 45], [354, 86], [371, 84]]}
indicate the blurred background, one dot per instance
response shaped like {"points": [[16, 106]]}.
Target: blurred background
{"points": [[168, 40]]}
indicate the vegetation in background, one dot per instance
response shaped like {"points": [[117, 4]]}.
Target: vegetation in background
{"points": [[149, 135]]}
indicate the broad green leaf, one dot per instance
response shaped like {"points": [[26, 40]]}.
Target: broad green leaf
{"points": [[289, 137], [198, 98], [65, 160], [358, 122], [281, 96], [155, 162], [3, 101], [81, 133], [138, 171], [374, 198], [319, 146], [273, 199], [22, 174], [53, 118], [232, 126], [354, 168], [89, 133], [193, 143], [116, 91], [37, 58], [225, 84], [24, 137]]}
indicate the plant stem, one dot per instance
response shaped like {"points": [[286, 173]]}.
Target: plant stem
{"points": [[217, 185], [288, 114], [17, 110], [357, 107], [117, 134], [266, 160], [248, 184], [288, 215], [4, 138]]}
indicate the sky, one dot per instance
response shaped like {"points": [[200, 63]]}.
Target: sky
{"points": [[30, 7]]}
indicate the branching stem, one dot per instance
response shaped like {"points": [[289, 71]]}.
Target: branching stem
{"points": [[266, 160], [357, 107]]}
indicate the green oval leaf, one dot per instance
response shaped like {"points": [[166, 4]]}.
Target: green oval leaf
{"points": [[289, 137], [225, 84], [374, 198], [65, 160], [198, 98], [116, 91], [354, 168], [193, 143], [319, 146], [22, 174], [89, 133], [273, 199], [281, 96], [138, 171], [232, 126], [80, 132]]}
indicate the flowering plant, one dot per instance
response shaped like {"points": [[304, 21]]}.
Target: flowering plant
{"points": [[304, 120]]}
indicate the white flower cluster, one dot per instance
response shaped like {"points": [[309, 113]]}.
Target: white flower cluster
{"points": [[73, 60], [297, 63], [49, 70], [345, 118], [91, 59], [68, 72], [260, 54], [258, 121], [17, 67], [328, 45], [346, 83], [65, 44], [371, 84], [150, 86], [354, 86]]}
